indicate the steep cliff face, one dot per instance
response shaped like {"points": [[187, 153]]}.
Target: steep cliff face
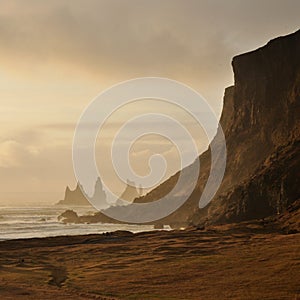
{"points": [[263, 134], [261, 123]]}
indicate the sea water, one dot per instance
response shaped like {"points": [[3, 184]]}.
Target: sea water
{"points": [[30, 222]]}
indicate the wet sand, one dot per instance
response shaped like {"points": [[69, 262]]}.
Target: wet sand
{"points": [[227, 262]]}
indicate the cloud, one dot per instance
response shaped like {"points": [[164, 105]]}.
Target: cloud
{"points": [[60, 126], [14, 154], [141, 37], [56, 55], [110, 41], [34, 175]]}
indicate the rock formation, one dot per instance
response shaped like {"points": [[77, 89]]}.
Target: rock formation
{"points": [[69, 216], [78, 198], [74, 198], [99, 196]]}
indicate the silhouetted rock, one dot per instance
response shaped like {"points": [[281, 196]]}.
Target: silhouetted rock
{"points": [[99, 196], [79, 198], [74, 198], [69, 216]]}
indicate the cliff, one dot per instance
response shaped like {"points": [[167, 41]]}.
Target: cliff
{"points": [[260, 120]]}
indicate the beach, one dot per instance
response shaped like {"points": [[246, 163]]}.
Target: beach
{"points": [[239, 261]]}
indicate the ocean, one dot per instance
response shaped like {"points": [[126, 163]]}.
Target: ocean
{"points": [[37, 222]]}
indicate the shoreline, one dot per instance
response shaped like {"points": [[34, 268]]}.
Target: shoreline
{"points": [[19, 223], [230, 262]]}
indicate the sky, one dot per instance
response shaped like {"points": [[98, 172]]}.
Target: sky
{"points": [[56, 56]]}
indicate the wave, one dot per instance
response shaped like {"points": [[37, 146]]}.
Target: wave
{"points": [[31, 222]]}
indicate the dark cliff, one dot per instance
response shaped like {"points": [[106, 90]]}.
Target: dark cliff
{"points": [[260, 120]]}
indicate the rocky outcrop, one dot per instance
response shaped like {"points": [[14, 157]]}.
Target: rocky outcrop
{"points": [[69, 216], [99, 196], [78, 198], [260, 120], [289, 221], [74, 197]]}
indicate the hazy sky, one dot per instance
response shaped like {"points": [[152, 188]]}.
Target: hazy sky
{"points": [[56, 56]]}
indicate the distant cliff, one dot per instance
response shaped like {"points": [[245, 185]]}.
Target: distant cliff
{"points": [[260, 120]]}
